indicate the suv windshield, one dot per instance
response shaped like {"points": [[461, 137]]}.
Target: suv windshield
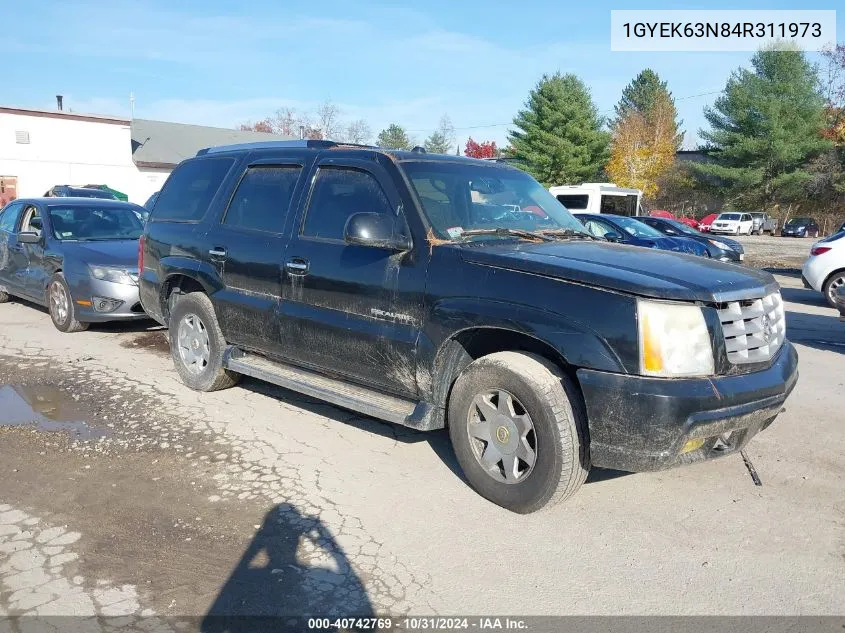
{"points": [[728, 216], [93, 222], [460, 197]]}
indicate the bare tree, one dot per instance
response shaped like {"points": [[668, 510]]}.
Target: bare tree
{"points": [[286, 122], [359, 132], [328, 120]]}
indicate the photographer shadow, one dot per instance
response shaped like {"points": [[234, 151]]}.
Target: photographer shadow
{"points": [[293, 569]]}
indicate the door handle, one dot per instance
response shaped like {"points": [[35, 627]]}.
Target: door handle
{"points": [[217, 251], [297, 266]]}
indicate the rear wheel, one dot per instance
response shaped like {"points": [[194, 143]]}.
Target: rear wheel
{"points": [[4, 296], [833, 282], [61, 306], [519, 430], [197, 344]]}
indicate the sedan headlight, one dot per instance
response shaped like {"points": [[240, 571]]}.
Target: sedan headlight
{"points": [[115, 275], [674, 340], [722, 245]]}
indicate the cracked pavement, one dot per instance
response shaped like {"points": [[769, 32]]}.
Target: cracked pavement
{"points": [[153, 501]]}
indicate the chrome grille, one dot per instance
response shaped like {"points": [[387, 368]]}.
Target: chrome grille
{"points": [[754, 329]]}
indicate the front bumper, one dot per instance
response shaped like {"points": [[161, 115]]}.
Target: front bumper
{"points": [[725, 231], [793, 233], [84, 287], [640, 424]]}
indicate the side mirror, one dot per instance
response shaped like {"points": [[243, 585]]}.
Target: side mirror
{"points": [[376, 230], [29, 237], [613, 236]]}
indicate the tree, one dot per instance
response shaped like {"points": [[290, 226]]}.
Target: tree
{"points": [[441, 140], [328, 120], [285, 122], [487, 149], [359, 132], [641, 96], [559, 137], [644, 146], [260, 126], [764, 130], [394, 137]]}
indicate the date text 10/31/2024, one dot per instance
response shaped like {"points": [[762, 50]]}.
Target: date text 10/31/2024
{"points": [[418, 624]]}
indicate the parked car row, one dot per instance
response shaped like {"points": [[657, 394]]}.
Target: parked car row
{"points": [[434, 292]]}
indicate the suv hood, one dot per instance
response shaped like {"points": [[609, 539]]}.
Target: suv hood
{"points": [[112, 253], [630, 269]]}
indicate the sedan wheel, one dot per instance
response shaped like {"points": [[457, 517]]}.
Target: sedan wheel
{"points": [[59, 302], [831, 286]]}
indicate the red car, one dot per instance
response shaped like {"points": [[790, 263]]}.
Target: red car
{"points": [[706, 221]]}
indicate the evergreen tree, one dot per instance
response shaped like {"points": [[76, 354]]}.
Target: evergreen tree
{"points": [[641, 96], [559, 138], [394, 137], [765, 129], [440, 141]]}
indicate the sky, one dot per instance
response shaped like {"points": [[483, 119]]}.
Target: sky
{"points": [[213, 62]]}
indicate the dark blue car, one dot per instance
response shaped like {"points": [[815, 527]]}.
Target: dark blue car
{"points": [[631, 231], [718, 247]]}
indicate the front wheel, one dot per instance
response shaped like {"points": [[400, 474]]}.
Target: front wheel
{"points": [[197, 344], [519, 430], [61, 306]]}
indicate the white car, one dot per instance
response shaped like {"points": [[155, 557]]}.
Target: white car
{"points": [[824, 270], [733, 223]]}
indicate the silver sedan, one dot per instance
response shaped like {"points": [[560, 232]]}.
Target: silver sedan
{"points": [[76, 256]]}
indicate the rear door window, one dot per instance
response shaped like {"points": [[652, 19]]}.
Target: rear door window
{"points": [[262, 198], [190, 189]]}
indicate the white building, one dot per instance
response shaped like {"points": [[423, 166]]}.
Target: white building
{"points": [[42, 148]]}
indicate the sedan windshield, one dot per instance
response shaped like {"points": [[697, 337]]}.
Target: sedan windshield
{"points": [[729, 216], [459, 198], [795, 221], [683, 228], [95, 222], [636, 228]]}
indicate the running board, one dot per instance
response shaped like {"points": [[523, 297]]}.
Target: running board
{"points": [[418, 415]]}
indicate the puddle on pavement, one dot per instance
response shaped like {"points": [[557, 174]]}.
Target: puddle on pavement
{"points": [[154, 341], [47, 408]]}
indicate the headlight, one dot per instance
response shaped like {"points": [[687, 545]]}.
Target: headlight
{"points": [[115, 275], [719, 244], [674, 340]]}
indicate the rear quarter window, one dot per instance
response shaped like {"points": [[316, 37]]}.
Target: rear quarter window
{"points": [[190, 189]]}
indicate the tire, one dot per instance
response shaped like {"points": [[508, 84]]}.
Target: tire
{"points": [[61, 306], [4, 296], [835, 280], [204, 345], [558, 421]]}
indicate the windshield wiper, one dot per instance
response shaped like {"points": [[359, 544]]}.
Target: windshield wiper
{"points": [[524, 234], [582, 235]]}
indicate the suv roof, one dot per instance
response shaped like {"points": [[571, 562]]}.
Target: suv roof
{"points": [[418, 153]]}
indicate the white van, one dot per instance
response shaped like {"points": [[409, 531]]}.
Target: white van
{"points": [[599, 197]]}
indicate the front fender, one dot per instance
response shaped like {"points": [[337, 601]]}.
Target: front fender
{"points": [[574, 340]]}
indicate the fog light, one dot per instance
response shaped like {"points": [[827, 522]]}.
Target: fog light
{"points": [[692, 445], [101, 304]]}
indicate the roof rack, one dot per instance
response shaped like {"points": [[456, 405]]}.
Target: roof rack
{"points": [[291, 144]]}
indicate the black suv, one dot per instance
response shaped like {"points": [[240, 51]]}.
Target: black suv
{"points": [[438, 291]]}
